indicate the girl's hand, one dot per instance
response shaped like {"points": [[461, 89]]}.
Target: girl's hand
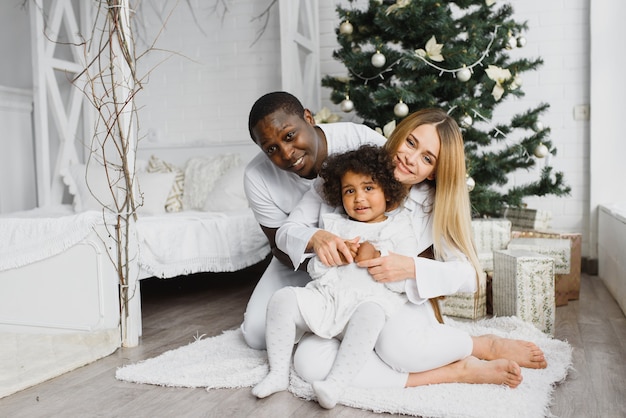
{"points": [[331, 249], [367, 251], [391, 268]]}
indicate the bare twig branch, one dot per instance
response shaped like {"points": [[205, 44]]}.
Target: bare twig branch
{"points": [[265, 16]]}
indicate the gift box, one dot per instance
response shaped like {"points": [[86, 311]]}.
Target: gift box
{"points": [[566, 286], [489, 235], [524, 218], [557, 248], [464, 305], [523, 286]]}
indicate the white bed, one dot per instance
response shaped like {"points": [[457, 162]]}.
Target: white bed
{"points": [[56, 274]]}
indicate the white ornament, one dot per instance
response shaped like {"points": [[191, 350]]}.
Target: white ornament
{"points": [[541, 151], [464, 74], [378, 60], [521, 41], [470, 183], [466, 121], [347, 105], [401, 109], [511, 43], [346, 28], [538, 126]]}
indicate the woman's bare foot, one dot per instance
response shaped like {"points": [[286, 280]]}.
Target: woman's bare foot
{"points": [[499, 372], [524, 353]]}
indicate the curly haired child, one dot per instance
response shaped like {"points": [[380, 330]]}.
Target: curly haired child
{"points": [[343, 300]]}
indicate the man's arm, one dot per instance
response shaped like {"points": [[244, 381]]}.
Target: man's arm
{"points": [[270, 233]]}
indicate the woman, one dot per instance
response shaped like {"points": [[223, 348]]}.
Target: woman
{"points": [[427, 148]]}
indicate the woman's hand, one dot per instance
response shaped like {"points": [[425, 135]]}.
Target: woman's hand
{"points": [[331, 249], [391, 268]]}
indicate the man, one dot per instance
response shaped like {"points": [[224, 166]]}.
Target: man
{"points": [[293, 150]]}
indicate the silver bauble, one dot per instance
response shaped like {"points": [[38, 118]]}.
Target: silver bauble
{"points": [[466, 121], [347, 105], [401, 109], [521, 41], [511, 43], [470, 183], [464, 74], [541, 151], [538, 126], [378, 60]]}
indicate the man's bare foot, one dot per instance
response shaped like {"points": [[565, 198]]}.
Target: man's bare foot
{"points": [[499, 372], [524, 353]]}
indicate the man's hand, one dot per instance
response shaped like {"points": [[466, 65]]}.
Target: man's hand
{"points": [[331, 249]]}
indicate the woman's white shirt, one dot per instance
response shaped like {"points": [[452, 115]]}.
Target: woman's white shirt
{"points": [[434, 278]]}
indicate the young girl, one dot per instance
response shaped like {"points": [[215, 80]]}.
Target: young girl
{"points": [[344, 299]]}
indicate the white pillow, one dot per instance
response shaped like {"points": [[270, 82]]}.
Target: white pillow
{"points": [[174, 201], [152, 185], [201, 173], [154, 188], [228, 193], [82, 186]]}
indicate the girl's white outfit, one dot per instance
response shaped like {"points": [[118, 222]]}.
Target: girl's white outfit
{"points": [[328, 302], [340, 300], [412, 340]]}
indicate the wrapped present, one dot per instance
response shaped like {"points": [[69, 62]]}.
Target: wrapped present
{"points": [[465, 305], [524, 218], [489, 235], [566, 286], [557, 248], [523, 286]]}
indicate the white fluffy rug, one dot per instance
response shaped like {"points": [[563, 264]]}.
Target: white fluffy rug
{"points": [[225, 361]]}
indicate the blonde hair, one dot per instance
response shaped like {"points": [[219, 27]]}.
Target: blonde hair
{"points": [[452, 220]]}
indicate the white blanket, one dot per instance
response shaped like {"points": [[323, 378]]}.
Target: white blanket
{"points": [[25, 240], [170, 245], [193, 241]]}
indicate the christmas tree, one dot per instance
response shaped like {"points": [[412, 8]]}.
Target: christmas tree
{"points": [[410, 54]]}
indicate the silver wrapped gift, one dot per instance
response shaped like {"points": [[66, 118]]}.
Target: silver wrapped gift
{"points": [[557, 248], [523, 286], [490, 235]]}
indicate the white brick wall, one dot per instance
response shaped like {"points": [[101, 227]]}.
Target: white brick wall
{"points": [[203, 92], [208, 99]]}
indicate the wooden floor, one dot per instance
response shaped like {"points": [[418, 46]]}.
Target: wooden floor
{"points": [[176, 310]]}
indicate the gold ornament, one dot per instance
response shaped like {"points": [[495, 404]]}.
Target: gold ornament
{"points": [[541, 151], [346, 28]]}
